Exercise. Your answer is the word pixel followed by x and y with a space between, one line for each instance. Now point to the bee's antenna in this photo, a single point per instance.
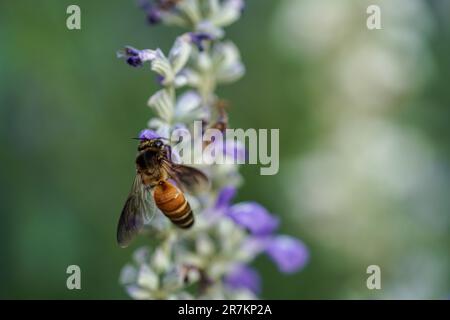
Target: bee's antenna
pixel 160 138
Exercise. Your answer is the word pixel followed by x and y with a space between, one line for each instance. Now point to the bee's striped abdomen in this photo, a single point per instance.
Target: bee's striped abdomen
pixel 173 204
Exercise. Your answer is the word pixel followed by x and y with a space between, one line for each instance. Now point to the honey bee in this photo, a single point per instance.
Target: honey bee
pixel 221 123
pixel 153 190
pixel 222 119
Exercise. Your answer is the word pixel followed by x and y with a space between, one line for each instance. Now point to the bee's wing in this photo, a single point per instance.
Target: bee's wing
pixel 189 178
pixel 138 210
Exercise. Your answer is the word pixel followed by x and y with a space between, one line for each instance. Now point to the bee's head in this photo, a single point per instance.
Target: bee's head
pixel 150 139
pixel 151 143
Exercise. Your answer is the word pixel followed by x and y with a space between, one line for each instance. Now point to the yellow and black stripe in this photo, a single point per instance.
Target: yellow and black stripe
pixel 172 202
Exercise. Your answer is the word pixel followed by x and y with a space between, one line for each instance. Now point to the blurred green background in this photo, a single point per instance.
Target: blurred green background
pixel 364 125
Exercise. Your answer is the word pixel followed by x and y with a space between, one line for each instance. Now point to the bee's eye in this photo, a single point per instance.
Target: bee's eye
pixel 158 143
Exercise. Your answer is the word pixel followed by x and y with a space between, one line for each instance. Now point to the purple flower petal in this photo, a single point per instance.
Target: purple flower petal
pixel 226 194
pixel 253 217
pixel 288 253
pixel 148 134
pixel 243 277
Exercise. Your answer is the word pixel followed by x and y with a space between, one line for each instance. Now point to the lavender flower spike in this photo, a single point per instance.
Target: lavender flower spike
pixel 216 252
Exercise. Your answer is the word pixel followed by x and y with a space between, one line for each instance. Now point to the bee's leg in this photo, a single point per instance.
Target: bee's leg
pixel 168 150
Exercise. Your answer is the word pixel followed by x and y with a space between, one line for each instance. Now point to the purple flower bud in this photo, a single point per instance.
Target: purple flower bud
pixel 134 57
pixel 153 15
pixel 134 61
pixel 130 51
pixel 152 11
pixel 253 217
pixel 148 134
pixel 288 253
pixel 143 4
pixel 198 39
pixel 226 194
pixel 243 277
pixel 159 79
